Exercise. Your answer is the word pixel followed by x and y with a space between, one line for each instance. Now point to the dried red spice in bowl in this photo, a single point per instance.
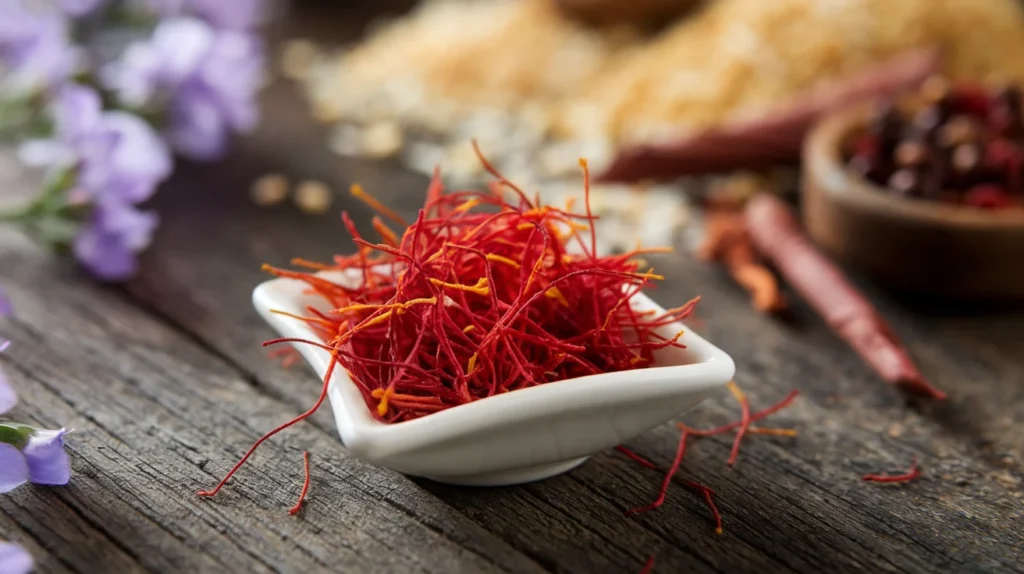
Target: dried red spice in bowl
pixel 931 243
pixel 959 144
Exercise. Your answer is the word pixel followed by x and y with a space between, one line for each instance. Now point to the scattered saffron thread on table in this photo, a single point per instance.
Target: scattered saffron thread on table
pixel 741 398
pixel 648 566
pixel 305 485
pixel 264 438
pixel 686 432
pixel 663 491
pixel 908 476
pixel 636 458
pixel 287 356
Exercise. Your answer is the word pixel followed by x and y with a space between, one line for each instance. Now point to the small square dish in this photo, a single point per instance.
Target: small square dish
pixel 517 437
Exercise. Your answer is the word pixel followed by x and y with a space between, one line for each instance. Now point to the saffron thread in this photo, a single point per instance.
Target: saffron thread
pixel 912 474
pixel 305 485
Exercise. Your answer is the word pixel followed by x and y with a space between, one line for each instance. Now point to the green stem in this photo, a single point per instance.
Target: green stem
pixel 19 214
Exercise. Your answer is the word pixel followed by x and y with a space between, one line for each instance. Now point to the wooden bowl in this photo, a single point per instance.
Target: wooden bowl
pixel 921 247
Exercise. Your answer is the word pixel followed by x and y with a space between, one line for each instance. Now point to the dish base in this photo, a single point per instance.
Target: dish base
pixel 513 476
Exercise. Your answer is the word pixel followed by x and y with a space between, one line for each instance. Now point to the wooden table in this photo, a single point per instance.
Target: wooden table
pixel 166 385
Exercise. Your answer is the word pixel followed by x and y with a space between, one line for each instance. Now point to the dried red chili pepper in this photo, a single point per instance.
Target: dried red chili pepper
pixel 778 237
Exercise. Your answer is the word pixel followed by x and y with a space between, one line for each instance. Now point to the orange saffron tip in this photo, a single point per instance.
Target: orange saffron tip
pixel 301 318
pixel 305 485
pixel 467 205
pixel 772 431
pixel 385 232
pixel 468 328
pixel 501 259
pixel 371 322
pixel 471 364
pixel 737 392
pixel 745 421
pixel 480 288
pixel 300 262
pixel 557 295
pixel 382 406
pixel 357 191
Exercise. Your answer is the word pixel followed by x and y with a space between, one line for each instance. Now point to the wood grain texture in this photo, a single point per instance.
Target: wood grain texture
pixel 166 385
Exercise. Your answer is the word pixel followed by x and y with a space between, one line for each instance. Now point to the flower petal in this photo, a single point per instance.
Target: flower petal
pixel 8 398
pixel 104 253
pixel 13 469
pixel 198 130
pixel 6 309
pixel 48 462
pixel 140 160
pixel 14 559
pixel 183 43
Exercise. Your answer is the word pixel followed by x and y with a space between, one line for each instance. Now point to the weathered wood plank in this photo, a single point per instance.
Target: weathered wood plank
pixel 157 417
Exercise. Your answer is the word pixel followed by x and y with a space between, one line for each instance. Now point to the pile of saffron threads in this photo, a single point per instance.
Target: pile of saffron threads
pixel 479 296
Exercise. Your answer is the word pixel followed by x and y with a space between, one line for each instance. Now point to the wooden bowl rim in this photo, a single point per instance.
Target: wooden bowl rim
pixel 822 152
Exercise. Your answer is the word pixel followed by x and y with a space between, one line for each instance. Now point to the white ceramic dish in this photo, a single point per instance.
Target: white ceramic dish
pixel 518 437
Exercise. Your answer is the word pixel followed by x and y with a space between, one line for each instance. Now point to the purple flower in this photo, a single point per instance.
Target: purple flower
pixel 6 310
pixel 14 559
pixel 34 45
pixel 110 241
pixel 211 78
pixel 80 8
pixel 13 468
pixel 227 14
pixel 232 14
pixel 48 462
pixel 28 454
pixel 8 398
pixel 117 154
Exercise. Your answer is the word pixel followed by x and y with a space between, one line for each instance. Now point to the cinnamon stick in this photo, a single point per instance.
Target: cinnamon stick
pixel 777 235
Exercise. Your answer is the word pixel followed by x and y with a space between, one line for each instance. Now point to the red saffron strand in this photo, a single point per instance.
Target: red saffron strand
pixel 663 491
pixel 648 566
pixel 741 398
pixel 636 458
pixel 262 439
pixel 704 491
pixel 908 476
pixel 709 499
pixel 305 485
pixel 759 415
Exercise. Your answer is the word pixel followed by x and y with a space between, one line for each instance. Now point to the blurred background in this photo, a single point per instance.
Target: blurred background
pixel 637 88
